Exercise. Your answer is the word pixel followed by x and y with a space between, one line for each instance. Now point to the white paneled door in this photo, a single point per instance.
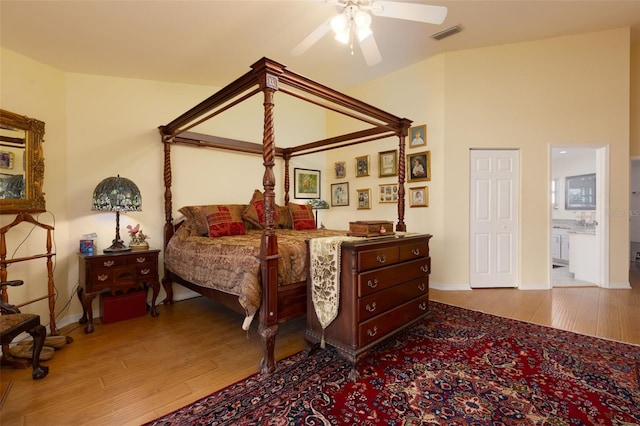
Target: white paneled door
pixel 494 187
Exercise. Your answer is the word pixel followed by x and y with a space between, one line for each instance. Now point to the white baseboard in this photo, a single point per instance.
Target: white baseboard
pixel 449 287
pixel 618 286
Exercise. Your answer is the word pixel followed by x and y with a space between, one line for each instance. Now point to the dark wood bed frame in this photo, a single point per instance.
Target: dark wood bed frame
pixel 279 303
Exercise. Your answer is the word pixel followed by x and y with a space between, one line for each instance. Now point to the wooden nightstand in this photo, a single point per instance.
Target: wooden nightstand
pixel 115 272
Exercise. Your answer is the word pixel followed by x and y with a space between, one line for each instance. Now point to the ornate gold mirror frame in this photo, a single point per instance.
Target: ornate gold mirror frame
pixel 21 164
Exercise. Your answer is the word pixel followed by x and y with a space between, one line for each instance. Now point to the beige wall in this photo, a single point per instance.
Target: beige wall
pixel 570 90
pixel 526 96
pixel 36 90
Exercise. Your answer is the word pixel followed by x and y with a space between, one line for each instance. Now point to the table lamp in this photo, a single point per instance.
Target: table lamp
pixel 318 204
pixel 117 194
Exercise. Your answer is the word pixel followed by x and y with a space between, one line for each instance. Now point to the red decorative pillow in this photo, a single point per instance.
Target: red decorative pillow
pixel 302 216
pixel 222 221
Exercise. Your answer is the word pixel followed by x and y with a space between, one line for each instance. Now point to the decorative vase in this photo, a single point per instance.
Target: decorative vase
pixel 139 246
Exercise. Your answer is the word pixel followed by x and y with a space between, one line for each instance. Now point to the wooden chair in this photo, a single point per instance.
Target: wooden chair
pixel 12 323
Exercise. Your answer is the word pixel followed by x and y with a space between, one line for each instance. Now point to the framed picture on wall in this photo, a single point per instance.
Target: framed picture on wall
pixel 388 193
pixel 362 166
pixel 388 163
pixel 419 166
pixel 339 194
pixel 419 196
pixel 580 192
pixel 341 169
pixel 6 160
pixel 418 136
pixel 364 198
pixel 306 183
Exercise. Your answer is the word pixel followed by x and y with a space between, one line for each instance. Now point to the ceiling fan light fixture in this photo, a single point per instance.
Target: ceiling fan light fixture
pixel 339 23
pixel 362 20
pixel 344 36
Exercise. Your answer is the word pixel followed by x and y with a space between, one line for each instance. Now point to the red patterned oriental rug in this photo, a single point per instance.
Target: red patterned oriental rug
pixel 456 367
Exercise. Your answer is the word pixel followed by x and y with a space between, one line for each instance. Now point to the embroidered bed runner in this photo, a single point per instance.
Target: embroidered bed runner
pixel 324 254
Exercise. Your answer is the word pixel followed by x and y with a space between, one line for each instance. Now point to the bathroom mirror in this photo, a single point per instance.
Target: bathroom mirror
pixel 21 164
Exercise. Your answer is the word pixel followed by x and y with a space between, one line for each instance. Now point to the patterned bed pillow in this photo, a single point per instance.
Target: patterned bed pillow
pixel 195 216
pixel 198 214
pixel 223 220
pixel 283 219
pixel 254 212
pixel 302 216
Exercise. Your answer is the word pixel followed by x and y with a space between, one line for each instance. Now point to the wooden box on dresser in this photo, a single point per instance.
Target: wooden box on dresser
pixel 384 288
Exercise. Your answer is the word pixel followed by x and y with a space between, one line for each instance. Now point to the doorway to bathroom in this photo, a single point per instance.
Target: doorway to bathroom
pixel 578 224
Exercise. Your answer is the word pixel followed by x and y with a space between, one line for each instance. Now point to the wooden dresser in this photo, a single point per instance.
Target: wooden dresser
pixel 384 288
pixel 116 273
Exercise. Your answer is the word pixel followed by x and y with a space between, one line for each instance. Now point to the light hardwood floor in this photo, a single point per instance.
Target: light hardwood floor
pixel 134 371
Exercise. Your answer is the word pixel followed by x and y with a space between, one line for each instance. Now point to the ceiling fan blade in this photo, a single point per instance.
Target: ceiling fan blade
pixel 409 11
pixel 311 39
pixel 370 50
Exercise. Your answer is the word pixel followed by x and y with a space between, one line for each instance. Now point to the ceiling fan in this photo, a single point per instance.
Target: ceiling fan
pixel 353 22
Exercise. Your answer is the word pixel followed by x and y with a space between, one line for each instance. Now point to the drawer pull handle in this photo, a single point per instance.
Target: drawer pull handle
pixel 382 258
pixel 421 286
pixel 145 271
pixel 373 284
pixel 424 268
pixel 372 331
pixel 102 277
pixel 109 263
pixel 141 259
pixel 422 306
pixel 371 307
pixel 416 251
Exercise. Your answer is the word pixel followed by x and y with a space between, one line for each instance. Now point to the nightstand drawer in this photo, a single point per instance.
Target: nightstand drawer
pixel 142 258
pixel 111 262
pixel 146 271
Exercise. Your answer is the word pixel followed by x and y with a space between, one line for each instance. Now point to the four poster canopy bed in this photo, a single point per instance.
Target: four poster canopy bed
pixel 254 258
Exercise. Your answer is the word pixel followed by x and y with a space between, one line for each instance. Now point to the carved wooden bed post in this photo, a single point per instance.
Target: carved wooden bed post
pixel 268 327
pixel 168 203
pixel 404 131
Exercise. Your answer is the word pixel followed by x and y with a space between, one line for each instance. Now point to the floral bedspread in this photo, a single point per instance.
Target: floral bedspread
pixel 231 264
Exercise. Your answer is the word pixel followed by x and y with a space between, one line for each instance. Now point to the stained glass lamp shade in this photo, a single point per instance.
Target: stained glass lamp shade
pixel 117 194
pixel 318 204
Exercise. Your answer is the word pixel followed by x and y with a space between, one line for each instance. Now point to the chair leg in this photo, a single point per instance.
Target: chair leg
pixel 38 333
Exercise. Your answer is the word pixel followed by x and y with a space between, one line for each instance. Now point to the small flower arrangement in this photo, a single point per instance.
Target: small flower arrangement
pixel 136 235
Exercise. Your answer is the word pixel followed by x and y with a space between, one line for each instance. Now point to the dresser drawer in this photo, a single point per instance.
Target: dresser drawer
pixel 377 258
pixel 382 301
pixel 414 250
pixel 383 278
pixel 378 327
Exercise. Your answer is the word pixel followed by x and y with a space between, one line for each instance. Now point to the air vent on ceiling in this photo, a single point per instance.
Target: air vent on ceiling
pixel 447 32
